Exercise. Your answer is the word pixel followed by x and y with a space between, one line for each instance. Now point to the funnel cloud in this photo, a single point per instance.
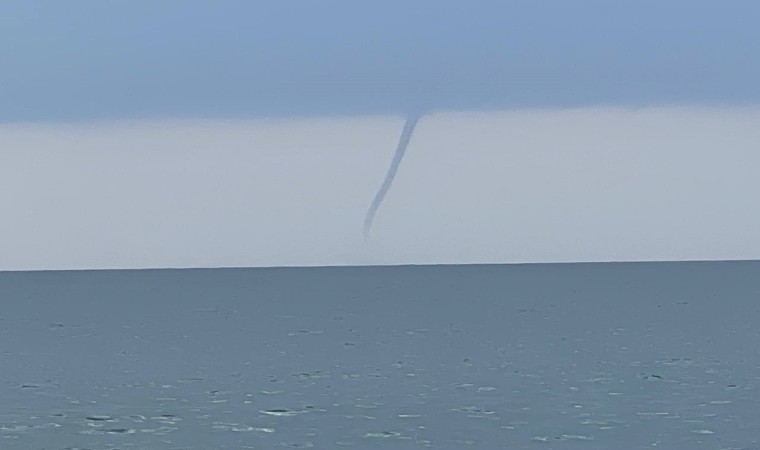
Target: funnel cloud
pixel 403 143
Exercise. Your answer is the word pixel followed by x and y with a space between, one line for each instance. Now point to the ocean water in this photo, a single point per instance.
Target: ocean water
pixel 571 356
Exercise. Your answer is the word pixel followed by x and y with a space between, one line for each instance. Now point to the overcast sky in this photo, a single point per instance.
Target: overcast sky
pixel 91 59
pixel 237 133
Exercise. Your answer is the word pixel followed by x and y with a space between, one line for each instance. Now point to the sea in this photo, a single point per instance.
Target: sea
pixel 539 356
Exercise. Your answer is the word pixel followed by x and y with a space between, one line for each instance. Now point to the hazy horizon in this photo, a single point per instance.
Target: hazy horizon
pixel 593 184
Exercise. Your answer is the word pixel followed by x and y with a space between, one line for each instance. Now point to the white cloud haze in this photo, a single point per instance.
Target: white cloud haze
pixel 593 184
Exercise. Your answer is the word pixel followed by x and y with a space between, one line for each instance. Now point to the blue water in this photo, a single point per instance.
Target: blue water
pixel 586 356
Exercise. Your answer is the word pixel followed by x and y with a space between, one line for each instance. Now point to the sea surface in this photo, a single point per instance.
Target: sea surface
pixel 566 356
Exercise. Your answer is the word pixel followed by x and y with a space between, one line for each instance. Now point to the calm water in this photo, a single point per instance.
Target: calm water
pixel 579 356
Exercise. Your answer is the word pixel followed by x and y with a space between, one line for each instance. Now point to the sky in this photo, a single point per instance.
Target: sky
pixel 237 133
pixel 92 60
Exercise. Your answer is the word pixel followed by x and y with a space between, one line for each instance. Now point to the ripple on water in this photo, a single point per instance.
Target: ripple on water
pixel 19 428
pixel 239 428
pixel 283 412
pixel 562 437
pixel 474 411
pixel 100 418
pixel 109 431
pixel 383 434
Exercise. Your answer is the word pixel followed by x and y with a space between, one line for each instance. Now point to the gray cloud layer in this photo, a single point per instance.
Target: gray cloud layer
pixel 89 59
